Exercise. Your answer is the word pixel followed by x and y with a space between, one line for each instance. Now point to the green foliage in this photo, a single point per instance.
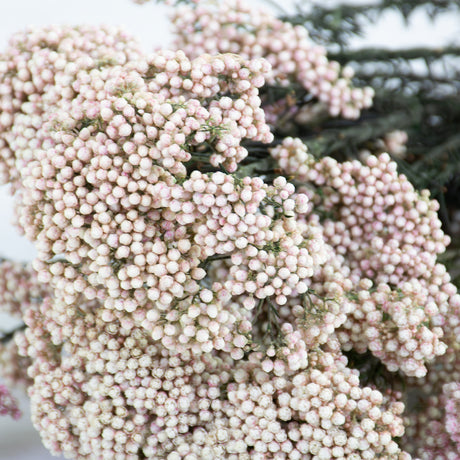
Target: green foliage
pixel 336 25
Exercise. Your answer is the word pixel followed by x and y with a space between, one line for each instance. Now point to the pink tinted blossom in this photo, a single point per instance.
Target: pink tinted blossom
pixel 8 403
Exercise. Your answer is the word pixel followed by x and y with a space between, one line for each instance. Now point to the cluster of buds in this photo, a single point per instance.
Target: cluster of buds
pixel 317 410
pixel 8 403
pixel 37 72
pixel 389 236
pixel 180 309
pixel 432 417
pixel 394 325
pixel 20 291
pixel 232 26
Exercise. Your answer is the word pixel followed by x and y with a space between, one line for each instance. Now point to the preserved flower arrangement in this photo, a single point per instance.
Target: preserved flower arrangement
pixel 206 285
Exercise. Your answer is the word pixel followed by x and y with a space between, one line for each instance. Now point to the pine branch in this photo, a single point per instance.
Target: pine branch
pixel 451 145
pixel 335 26
pixel 348 140
pixel 436 167
pixel 382 54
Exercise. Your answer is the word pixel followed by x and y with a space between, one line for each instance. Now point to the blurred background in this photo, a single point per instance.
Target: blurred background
pixel 18 439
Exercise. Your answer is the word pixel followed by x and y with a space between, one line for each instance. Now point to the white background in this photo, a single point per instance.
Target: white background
pixel 18 440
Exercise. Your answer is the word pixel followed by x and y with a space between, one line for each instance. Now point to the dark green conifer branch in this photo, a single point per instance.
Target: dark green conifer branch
pixel 336 25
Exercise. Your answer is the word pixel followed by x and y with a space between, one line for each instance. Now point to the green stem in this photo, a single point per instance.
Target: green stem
pixel 205 264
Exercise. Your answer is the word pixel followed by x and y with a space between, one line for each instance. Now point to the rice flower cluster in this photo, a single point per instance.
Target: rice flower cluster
pixel 180 308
